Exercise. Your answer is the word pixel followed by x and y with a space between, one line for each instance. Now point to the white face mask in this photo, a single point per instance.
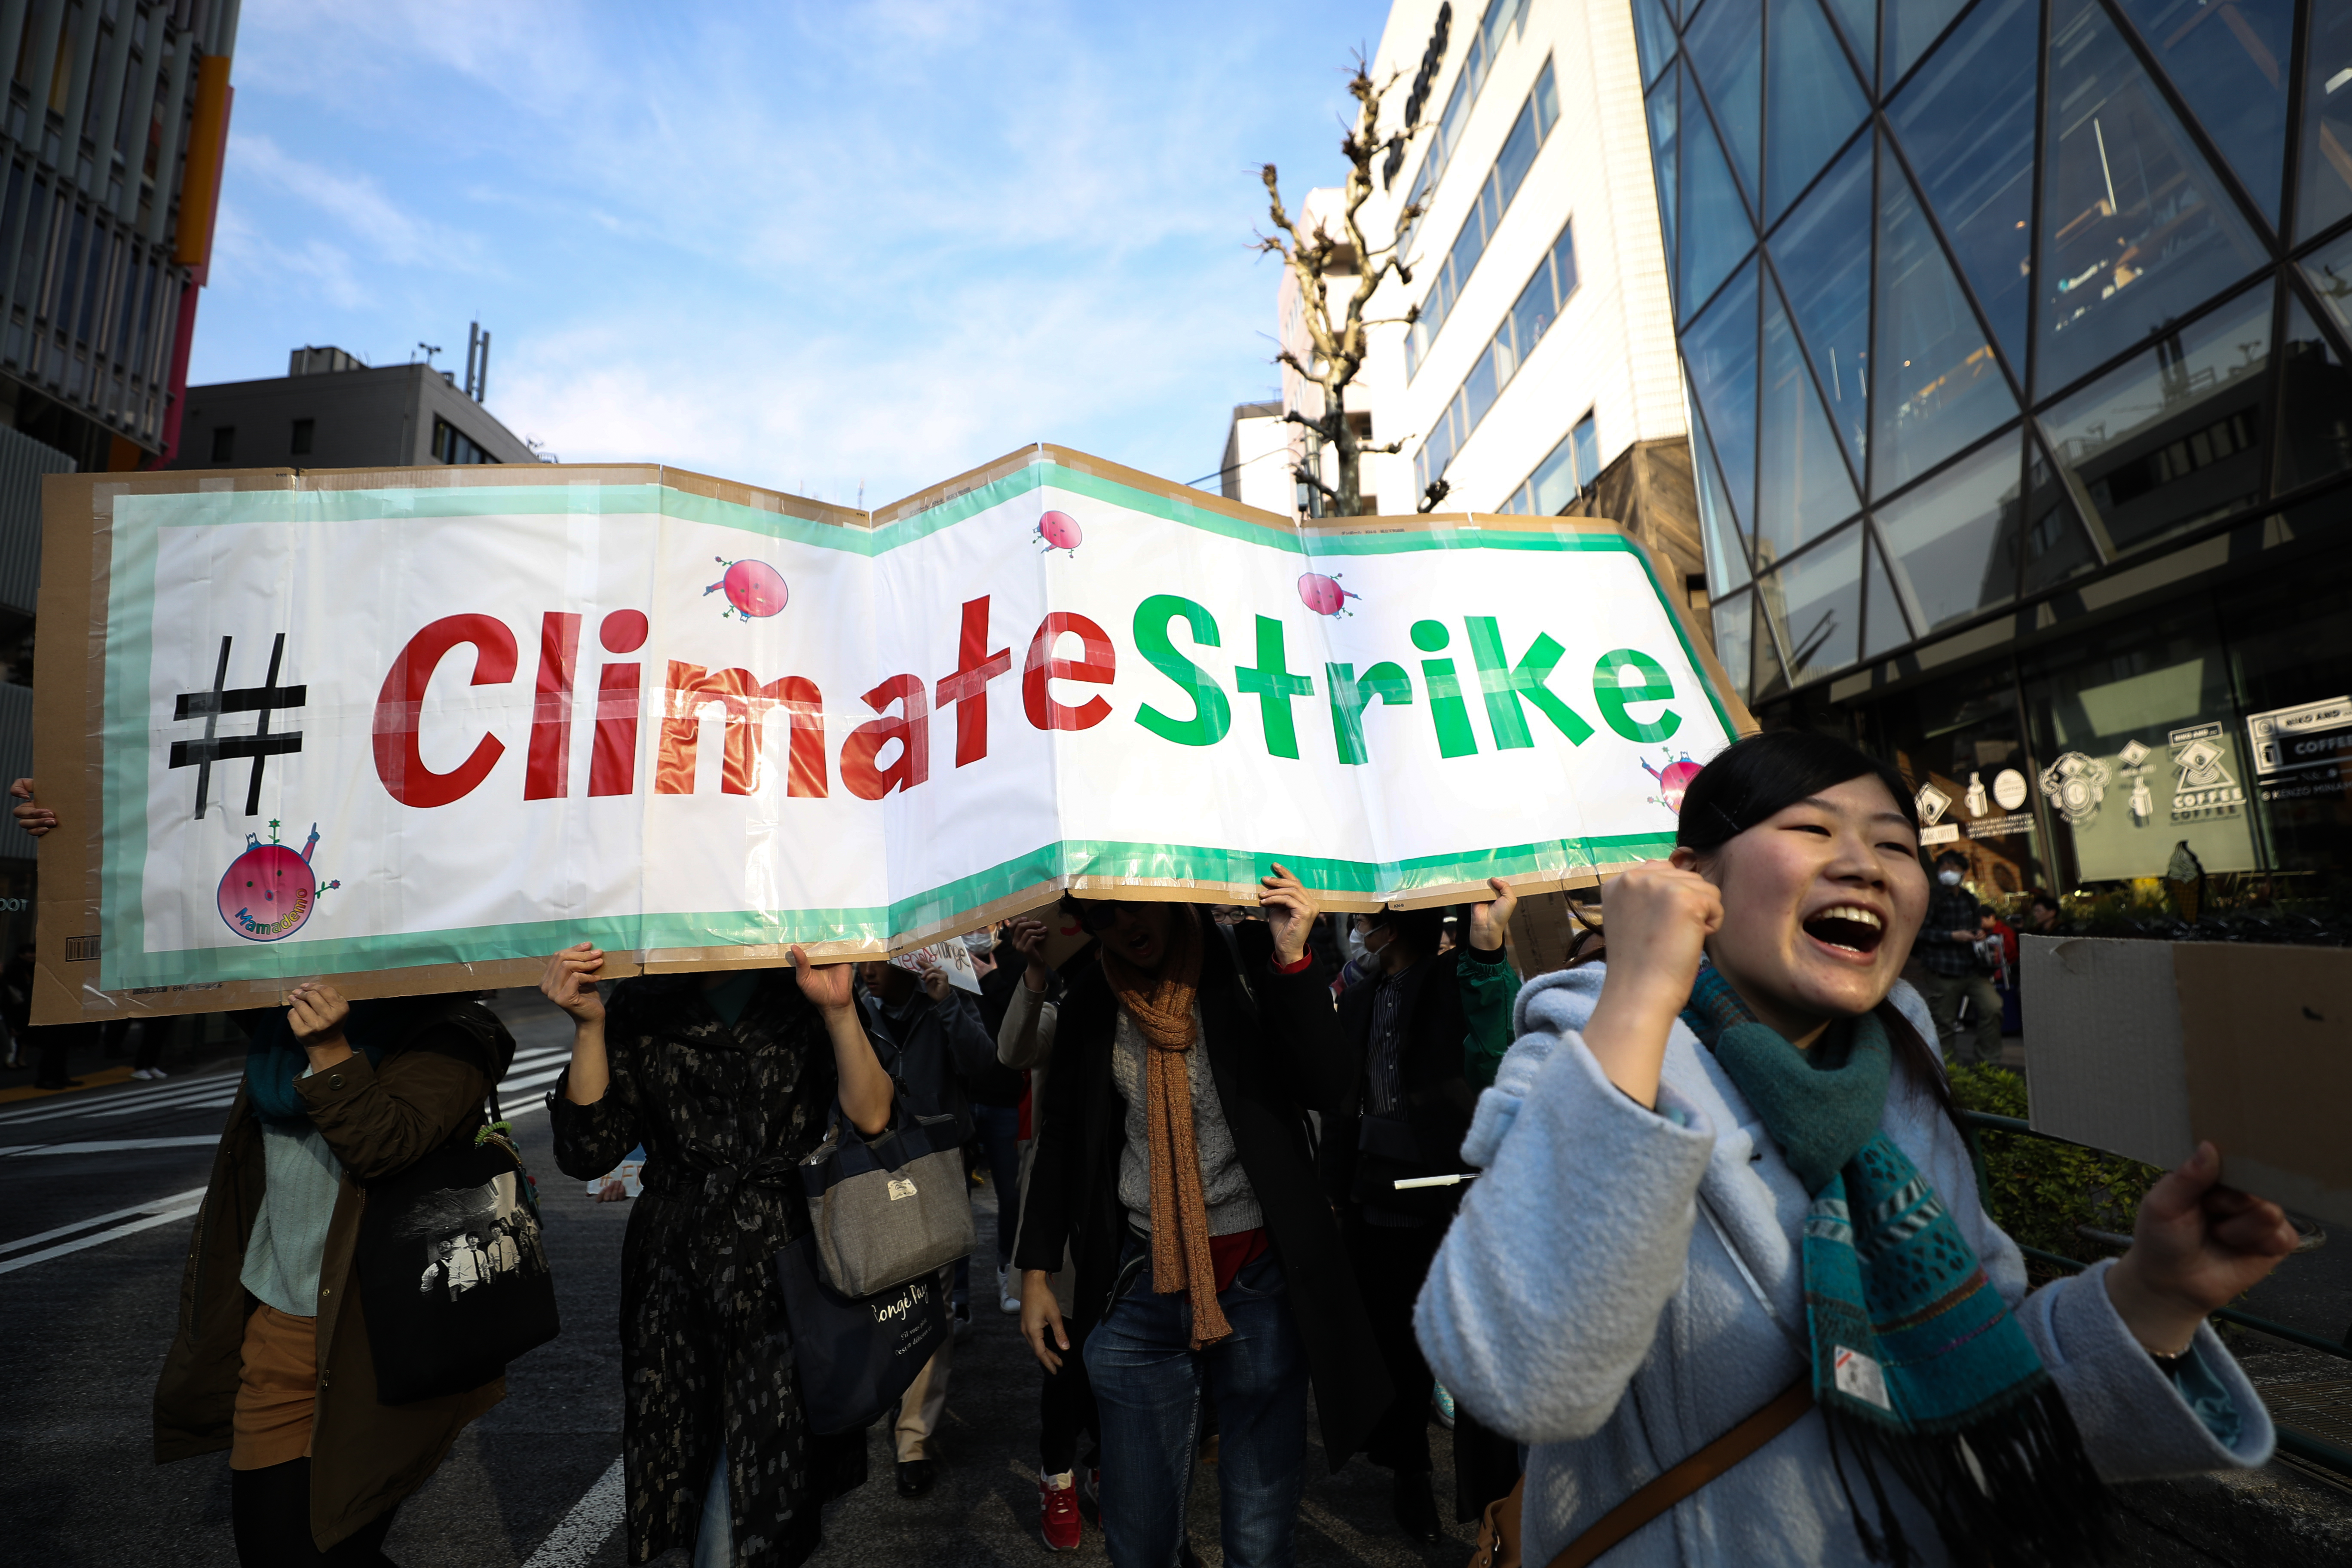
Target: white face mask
pixel 980 944
pixel 1355 942
pixel 1949 878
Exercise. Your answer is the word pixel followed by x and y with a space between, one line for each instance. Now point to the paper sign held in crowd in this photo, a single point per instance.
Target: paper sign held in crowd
pixel 427 726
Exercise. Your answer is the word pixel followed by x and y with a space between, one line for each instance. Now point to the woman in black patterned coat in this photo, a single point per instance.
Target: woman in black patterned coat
pixel 728 1079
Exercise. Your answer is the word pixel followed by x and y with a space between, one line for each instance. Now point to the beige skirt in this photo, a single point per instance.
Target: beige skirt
pixel 277 1387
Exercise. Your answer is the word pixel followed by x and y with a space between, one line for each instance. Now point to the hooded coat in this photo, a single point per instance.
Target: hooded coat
pixel 365 1457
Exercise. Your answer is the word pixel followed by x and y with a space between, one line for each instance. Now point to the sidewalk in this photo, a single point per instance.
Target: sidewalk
pixel 201 1038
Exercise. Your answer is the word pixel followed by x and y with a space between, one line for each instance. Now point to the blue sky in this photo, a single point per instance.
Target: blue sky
pixel 802 246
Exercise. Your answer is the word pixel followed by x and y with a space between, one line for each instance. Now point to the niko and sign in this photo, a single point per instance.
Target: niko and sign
pixel 425 727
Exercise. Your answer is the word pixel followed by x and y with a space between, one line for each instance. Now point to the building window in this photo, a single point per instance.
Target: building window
pixel 1537 307
pixel 451 445
pixel 1566 473
pixel 1537 115
pixel 302 443
pixel 225 444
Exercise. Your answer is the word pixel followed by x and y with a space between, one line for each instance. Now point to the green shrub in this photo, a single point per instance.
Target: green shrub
pixel 2039 1190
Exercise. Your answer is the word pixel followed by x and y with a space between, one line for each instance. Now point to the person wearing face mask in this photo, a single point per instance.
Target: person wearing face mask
pixel 1947 947
pixel 1727 1271
pixel 1172 1162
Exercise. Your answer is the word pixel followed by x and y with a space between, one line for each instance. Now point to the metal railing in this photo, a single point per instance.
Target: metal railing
pixel 2305 1445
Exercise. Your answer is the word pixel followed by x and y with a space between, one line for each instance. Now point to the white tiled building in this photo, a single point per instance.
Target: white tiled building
pixel 1542 376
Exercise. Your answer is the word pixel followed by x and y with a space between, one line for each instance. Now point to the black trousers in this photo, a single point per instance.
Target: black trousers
pixel 154 1039
pixel 271 1511
pixel 51 1042
pixel 1066 1408
pixel 1390 1262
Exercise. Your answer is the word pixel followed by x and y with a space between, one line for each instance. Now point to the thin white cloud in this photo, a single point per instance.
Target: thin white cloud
pixel 884 241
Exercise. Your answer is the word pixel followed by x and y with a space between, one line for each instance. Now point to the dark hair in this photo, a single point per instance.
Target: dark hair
pixel 1955 857
pixel 1983 910
pixel 1753 780
pixel 1417 928
pixel 1763 775
pixel 2046 901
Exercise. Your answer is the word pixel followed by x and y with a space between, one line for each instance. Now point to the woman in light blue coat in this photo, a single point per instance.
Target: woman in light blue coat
pixel 1724 1169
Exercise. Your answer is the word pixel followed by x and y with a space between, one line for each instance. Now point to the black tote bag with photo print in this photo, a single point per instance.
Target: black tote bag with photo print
pixel 452 1268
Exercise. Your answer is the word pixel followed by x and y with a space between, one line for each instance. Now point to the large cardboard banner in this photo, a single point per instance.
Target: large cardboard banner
pixel 420 728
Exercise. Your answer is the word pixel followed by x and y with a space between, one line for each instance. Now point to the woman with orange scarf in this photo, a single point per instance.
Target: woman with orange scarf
pixel 1173 1160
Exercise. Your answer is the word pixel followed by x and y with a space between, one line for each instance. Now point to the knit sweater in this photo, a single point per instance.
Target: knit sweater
pixel 1225 1185
pixel 1623 1285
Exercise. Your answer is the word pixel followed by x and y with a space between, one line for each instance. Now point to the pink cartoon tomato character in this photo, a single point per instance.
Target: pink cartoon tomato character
pixel 1673 780
pixel 1059 531
pixel 754 589
pixel 1324 595
pixel 269 891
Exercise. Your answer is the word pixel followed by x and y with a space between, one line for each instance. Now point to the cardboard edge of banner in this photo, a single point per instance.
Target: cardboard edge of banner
pixel 69 696
pixel 2142 1049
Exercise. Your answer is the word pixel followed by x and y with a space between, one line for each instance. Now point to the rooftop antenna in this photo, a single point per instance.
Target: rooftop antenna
pixel 430 349
pixel 477 362
pixel 861 495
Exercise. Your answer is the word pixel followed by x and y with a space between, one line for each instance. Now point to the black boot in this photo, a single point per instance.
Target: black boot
pixel 1415 1509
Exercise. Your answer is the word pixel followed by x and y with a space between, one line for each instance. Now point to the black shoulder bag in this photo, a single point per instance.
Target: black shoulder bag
pixel 453 1271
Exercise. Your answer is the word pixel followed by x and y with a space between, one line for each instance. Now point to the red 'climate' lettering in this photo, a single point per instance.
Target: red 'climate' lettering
pixel 968 686
pixel 746 704
pixel 612 761
pixel 1098 662
pixel 548 772
pixel 913 733
pixel 397 761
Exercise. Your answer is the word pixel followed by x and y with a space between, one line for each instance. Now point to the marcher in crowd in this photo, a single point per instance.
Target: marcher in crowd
pixel 1414 1033
pixel 729 1080
pixel 930 1036
pixel 1066 1401
pixel 17 1003
pixel 1174 1162
pixel 999 1125
pixel 1955 971
pixel 52 1045
pixel 1724 1184
pixel 271 1358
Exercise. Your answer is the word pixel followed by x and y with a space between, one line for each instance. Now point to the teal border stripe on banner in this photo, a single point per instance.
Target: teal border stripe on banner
pixel 213 508
pixel 1067 859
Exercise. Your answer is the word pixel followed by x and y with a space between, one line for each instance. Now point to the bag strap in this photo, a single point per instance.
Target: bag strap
pixel 1662 1492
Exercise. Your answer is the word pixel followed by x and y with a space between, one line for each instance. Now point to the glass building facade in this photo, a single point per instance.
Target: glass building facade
pixel 2015 335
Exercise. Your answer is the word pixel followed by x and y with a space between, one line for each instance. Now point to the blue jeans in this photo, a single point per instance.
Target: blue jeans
pixel 1148 1385
pixel 1000 1145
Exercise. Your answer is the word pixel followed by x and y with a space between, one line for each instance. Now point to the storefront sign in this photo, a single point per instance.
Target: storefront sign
pixel 2002 826
pixel 2076 784
pixel 436 724
pixel 2202 785
pixel 2291 740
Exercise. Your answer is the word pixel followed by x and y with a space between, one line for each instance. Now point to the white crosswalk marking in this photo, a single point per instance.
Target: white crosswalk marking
pixel 110 1146
pixel 215 1090
pixel 575 1540
pixel 177 1200
pixel 182 1212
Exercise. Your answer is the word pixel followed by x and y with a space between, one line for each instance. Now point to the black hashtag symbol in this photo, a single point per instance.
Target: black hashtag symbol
pixel 260 745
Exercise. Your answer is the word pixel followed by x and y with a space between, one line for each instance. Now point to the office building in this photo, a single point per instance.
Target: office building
pixel 1259 453
pixel 111 137
pixel 330 411
pixel 1540 375
pixel 2017 333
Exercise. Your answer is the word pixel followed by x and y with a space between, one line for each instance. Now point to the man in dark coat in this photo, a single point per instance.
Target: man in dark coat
pixel 1227 1276
pixel 927 1034
pixel 1410 1031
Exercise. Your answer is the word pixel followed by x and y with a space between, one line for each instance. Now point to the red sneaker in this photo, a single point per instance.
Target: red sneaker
pixel 1057 1511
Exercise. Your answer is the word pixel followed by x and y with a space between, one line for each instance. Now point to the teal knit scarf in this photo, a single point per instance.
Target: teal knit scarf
pixel 1917 1363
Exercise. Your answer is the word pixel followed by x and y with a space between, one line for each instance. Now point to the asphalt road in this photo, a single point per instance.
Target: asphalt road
pixel 96 1190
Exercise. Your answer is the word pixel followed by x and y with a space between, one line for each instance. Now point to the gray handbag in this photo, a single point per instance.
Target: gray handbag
pixel 888 1208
